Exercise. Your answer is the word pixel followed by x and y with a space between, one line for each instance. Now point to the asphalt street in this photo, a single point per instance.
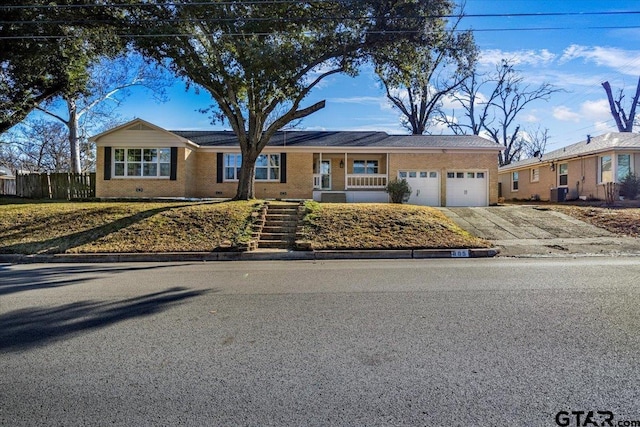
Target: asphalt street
pixel 474 342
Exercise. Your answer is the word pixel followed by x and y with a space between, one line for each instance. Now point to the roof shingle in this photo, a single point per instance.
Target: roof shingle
pixel 342 139
pixel 596 144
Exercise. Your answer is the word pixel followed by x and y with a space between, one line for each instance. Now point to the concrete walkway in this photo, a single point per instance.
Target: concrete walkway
pixel 539 231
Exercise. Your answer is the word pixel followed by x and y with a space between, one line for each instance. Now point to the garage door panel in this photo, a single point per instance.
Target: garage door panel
pixel 466 188
pixel 425 187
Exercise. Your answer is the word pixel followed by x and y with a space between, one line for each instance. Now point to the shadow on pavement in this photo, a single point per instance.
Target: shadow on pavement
pixel 37 326
pixel 62 243
pixel 15 280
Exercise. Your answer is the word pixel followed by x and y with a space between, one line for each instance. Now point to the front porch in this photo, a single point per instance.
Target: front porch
pixel 351 178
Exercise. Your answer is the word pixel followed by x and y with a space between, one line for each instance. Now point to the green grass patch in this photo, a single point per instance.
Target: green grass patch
pixel 383 226
pixel 86 227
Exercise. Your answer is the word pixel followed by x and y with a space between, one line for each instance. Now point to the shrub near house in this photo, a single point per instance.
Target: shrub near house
pixel 630 186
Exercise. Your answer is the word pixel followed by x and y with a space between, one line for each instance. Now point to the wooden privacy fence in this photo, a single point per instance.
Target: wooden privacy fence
pixel 7 186
pixel 56 185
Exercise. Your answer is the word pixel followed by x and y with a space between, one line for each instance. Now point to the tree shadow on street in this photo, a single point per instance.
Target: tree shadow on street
pixel 15 280
pixel 62 243
pixel 38 326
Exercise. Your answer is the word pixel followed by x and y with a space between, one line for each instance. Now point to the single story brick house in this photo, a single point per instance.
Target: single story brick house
pixel 580 170
pixel 140 159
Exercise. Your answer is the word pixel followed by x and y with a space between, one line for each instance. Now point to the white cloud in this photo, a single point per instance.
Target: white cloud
pixel 388 127
pixel 604 127
pixel 590 110
pixel 596 110
pixel 314 128
pixel 381 101
pixel 565 80
pixel 361 100
pixel 491 57
pixel 449 103
pixel 626 62
pixel 438 128
pixel 565 114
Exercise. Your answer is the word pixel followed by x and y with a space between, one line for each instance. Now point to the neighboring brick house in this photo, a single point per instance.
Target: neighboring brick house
pixel 580 170
pixel 139 159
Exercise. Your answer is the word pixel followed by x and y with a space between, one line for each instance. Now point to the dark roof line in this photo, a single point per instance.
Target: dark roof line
pixel 342 139
pixel 591 145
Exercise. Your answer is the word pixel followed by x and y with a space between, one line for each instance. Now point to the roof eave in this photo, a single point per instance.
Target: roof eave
pixel 515 166
pixel 346 148
pixel 95 138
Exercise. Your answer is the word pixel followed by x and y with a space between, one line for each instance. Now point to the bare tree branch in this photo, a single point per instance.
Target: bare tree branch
pixel 623 122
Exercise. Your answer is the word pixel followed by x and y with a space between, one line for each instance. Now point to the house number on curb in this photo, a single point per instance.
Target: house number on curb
pixel 460 253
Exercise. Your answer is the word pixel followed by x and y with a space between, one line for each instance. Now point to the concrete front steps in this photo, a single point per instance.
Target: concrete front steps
pixel 279 229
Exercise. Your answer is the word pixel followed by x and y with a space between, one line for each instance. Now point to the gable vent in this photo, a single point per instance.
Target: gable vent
pixel 140 126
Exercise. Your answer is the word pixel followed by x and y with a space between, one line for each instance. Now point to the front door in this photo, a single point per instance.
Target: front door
pixel 325 174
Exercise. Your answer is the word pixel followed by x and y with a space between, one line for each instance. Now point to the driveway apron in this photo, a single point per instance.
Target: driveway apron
pixel 539 231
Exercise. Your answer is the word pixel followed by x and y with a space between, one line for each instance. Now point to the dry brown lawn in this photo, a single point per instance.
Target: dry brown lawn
pixel 383 226
pixel 68 227
pixel 622 221
pixel 30 227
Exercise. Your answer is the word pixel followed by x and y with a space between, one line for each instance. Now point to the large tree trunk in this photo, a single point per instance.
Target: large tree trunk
pixel 623 122
pixel 74 141
pixel 246 180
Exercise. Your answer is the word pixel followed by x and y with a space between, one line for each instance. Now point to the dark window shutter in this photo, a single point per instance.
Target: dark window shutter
pixel 283 168
pixel 107 163
pixel 219 167
pixel 173 175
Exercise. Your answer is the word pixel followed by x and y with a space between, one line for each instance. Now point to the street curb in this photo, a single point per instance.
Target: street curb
pixel 250 256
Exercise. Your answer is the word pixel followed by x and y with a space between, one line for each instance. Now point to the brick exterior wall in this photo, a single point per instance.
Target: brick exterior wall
pixel 582 178
pixel 146 187
pixel 197 172
pixel 450 161
pixel 197 169
pixel 299 183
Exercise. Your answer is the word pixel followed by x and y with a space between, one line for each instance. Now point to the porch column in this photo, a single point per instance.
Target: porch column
pixel 387 168
pixel 346 168
pixel 320 169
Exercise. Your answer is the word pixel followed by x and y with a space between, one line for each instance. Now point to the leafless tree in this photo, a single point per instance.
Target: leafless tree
pixel 37 145
pixel 495 114
pixel 535 142
pixel 110 82
pixel 623 121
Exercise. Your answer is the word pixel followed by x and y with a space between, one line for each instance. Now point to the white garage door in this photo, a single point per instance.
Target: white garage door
pixel 425 187
pixel 468 188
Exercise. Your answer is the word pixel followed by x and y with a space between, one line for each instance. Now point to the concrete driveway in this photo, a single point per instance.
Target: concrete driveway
pixel 539 231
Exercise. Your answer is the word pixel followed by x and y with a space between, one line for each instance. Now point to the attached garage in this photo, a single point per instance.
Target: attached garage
pixel 352 167
pixel 425 187
pixel 467 188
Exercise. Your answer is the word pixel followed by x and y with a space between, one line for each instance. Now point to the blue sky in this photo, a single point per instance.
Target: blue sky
pixel 577 55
